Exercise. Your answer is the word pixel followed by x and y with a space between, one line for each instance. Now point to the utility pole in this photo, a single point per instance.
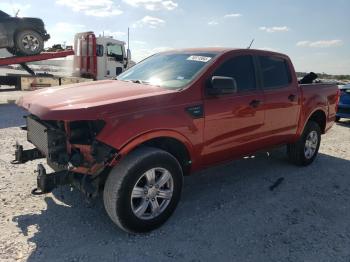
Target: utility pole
pixel 128 38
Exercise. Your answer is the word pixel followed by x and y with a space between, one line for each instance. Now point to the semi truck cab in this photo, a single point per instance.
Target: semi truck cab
pixel 101 57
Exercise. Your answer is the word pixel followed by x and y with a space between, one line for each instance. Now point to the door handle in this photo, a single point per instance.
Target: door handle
pixel 292 97
pixel 255 103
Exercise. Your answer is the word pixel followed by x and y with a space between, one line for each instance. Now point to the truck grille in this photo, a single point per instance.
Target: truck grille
pixel 37 134
pixel 48 139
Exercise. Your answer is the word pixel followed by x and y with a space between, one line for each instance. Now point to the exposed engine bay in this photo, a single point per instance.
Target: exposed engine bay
pixel 71 149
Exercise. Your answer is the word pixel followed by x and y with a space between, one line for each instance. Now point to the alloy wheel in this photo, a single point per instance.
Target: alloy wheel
pixel 152 193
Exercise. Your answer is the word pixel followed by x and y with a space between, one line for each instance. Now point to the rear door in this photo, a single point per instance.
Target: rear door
pixel 233 122
pixel 282 101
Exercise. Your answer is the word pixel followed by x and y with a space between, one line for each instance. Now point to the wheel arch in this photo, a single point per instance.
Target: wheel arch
pixel 25 28
pixel 320 117
pixel 169 141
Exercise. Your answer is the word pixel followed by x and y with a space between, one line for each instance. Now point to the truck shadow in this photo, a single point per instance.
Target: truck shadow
pixel 11 116
pixel 226 212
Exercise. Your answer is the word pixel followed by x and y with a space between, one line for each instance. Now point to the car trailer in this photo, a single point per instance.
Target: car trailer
pixel 34 80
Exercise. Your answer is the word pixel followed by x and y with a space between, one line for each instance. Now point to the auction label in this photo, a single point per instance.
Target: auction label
pixel 198 58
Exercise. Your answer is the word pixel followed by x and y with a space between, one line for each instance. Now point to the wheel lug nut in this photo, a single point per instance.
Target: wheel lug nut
pixel 146 192
pixel 157 186
pixel 147 199
pixel 153 199
pixel 150 185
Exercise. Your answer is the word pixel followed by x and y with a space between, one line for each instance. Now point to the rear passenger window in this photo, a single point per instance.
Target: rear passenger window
pixel 241 68
pixel 275 72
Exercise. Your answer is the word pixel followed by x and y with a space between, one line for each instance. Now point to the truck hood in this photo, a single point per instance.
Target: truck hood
pixel 32 21
pixel 90 100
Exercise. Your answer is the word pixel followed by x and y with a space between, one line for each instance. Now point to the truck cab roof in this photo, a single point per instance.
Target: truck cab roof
pixel 222 50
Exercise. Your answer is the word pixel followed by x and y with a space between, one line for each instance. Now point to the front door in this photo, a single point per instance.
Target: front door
pixel 115 59
pixel 234 122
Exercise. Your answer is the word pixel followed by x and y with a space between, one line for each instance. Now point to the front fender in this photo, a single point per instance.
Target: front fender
pixel 124 133
pixel 142 138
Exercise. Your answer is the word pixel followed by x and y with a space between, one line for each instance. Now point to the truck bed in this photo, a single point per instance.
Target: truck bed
pixel 324 95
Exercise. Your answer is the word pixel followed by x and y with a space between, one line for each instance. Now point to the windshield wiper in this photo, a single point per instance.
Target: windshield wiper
pixel 136 81
pixel 140 82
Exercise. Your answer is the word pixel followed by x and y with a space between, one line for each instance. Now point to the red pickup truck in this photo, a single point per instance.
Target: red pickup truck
pixel 170 115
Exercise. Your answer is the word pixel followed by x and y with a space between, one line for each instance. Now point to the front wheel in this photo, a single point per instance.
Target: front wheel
pixel 143 190
pixel 304 151
pixel 29 42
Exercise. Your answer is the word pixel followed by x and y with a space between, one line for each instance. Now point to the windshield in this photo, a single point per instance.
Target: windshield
pixel 172 71
pixel 3 14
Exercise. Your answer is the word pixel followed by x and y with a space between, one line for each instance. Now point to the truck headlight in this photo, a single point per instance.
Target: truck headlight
pixel 84 132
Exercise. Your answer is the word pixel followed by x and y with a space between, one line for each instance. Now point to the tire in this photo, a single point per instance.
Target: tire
pixel 29 42
pixel 298 152
pixel 131 173
pixel 337 119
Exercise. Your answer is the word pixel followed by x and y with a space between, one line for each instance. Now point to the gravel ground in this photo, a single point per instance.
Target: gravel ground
pixel 10 97
pixel 227 213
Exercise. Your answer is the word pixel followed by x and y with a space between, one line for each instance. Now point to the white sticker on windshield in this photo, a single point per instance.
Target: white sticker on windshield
pixel 198 58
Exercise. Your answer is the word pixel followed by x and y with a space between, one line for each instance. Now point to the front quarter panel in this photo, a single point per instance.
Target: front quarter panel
pixel 125 132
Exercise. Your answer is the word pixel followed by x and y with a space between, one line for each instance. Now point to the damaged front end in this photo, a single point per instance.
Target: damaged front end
pixel 71 150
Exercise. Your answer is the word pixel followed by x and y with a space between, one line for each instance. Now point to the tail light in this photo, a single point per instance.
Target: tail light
pixel 337 101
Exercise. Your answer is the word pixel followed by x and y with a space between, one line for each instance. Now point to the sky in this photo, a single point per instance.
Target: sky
pixel 315 34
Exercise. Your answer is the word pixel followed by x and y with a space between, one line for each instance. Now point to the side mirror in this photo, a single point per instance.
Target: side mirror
pixel 129 55
pixel 127 58
pixel 221 85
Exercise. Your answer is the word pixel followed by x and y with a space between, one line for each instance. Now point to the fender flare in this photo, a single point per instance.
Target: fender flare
pixel 144 137
pixel 302 127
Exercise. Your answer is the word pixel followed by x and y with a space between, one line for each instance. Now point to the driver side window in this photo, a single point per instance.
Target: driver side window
pixel 241 68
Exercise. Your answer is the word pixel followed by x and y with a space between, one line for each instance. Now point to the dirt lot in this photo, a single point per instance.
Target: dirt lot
pixel 10 97
pixel 227 213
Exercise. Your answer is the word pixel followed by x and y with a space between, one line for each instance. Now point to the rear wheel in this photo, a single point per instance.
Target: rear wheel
pixel 29 42
pixel 304 151
pixel 143 190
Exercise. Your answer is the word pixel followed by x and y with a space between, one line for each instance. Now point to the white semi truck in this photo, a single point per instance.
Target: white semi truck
pixel 94 58
pixel 99 57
